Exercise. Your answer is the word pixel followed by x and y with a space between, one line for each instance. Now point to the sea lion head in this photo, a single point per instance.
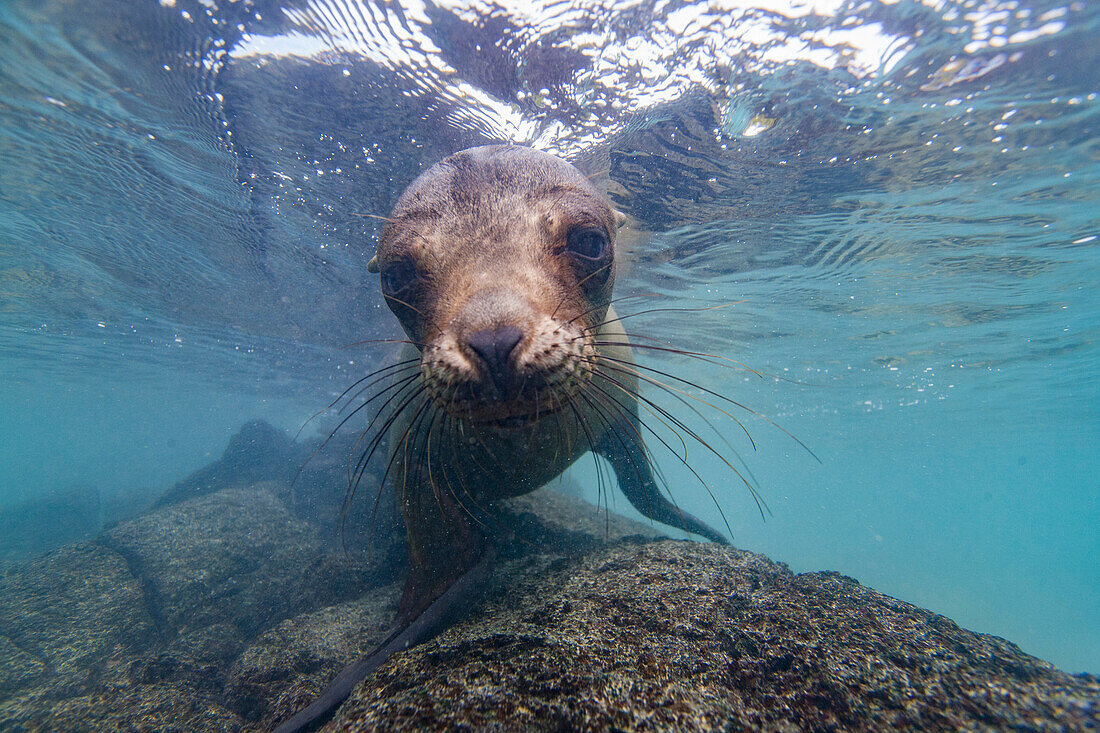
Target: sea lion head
pixel 499 263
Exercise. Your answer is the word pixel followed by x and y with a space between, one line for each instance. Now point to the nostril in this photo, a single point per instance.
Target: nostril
pixel 494 346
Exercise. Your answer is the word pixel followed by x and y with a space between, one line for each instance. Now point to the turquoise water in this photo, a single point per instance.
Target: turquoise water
pixel 896 204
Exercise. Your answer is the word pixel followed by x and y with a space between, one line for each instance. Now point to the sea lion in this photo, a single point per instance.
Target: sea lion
pixel 499 262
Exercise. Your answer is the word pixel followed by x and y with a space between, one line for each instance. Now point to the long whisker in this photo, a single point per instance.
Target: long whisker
pixel 398 376
pixel 356 474
pixel 376 441
pixel 646 404
pixel 624 420
pixel 402 385
pixel 407 305
pixel 383 341
pixel 610 427
pixel 723 397
pixel 682 399
pixel 760 505
pixel 624 367
pixel 373 216
pixel 716 359
pixel 599 469
pixel 399 385
pixel 477 517
pixel 665 310
pixel 602 305
pixel 376 373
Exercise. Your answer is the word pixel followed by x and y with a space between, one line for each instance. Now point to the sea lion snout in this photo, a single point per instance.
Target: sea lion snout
pixel 511 371
pixel 494 347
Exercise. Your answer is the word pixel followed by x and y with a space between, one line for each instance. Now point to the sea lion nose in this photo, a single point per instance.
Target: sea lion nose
pixel 494 346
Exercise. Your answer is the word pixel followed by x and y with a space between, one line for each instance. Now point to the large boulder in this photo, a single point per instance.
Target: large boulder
pixel 141 626
pixel 685 636
pixel 258 452
pixel 228 611
pixel 236 557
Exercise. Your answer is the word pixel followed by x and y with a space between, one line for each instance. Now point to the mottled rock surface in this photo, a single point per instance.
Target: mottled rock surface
pixel 237 556
pixel 684 636
pixel 229 610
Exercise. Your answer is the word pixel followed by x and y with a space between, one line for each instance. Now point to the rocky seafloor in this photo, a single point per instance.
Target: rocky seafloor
pixel 226 606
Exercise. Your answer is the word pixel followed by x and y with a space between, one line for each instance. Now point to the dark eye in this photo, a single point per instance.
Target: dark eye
pixel 588 244
pixel 397 276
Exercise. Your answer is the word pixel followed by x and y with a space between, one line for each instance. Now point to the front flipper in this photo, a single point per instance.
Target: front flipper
pixel 621 444
pixel 436 617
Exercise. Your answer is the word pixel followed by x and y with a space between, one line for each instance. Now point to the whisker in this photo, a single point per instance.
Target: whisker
pixel 354 384
pixel 373 216
pixel 665 310
pixel 397 380
pixel 354 475
pixel 600 488
pixel 624 367
pixel 465 490
pixel 676 394
pixel 407 305
pixel 383 341
pixel 596 408
pixel 683 459
pixel 716 359
pixel 596 308
pixel 403 382
pixel 725 398
pixel 760 504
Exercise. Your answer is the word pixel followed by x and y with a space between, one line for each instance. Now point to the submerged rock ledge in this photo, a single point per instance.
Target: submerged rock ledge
pixel 226 610
pixel 677 635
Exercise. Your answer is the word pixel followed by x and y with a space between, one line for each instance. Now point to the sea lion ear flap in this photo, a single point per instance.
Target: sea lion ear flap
pixel 372 266
pixel 620 218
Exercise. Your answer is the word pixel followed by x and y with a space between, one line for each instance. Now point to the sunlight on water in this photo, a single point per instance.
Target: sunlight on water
pixel 894 203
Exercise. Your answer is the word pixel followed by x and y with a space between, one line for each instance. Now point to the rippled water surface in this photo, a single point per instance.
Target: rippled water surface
pixel 895 204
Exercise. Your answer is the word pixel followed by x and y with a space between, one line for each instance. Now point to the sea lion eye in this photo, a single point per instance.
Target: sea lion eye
pixel 587 244
pixel 397 276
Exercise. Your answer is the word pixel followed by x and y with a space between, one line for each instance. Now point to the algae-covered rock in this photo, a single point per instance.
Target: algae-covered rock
pixel 237 557
pixel 227 611
pixel 285 667
pixel 685 636
pixel 140 628
pixel 65 617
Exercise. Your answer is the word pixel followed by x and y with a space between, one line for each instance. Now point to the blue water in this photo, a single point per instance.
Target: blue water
pixel 896 203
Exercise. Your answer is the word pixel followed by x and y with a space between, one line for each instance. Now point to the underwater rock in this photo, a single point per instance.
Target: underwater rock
pixel 65 619
pixel 258 452
pixel 227 612
pixel 315 474
pixel 288 665
pixel 686 636
pixel 144 623
pixel 236 557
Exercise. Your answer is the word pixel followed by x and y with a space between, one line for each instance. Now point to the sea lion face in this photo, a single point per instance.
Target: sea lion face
pixel 499 263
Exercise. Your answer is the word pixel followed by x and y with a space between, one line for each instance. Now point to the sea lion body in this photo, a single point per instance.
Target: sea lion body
pixel 499 263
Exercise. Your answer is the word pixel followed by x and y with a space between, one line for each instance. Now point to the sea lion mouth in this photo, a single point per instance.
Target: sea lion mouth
pixel 512 422
pixel 505 415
